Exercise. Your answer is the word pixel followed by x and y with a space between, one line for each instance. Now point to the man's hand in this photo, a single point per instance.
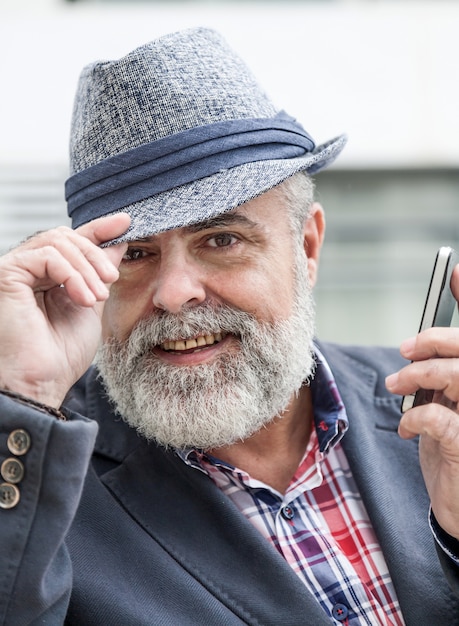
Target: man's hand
pixel 52 290
pixel 435 356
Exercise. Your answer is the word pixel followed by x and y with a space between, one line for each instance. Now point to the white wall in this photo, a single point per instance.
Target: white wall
pixel 384 72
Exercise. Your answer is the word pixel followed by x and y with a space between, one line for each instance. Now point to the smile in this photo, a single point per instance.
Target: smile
pixel 195 343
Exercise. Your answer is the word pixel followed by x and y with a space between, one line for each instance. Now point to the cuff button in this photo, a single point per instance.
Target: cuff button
pixel 12 470
pixel 9 496
pixel 19 442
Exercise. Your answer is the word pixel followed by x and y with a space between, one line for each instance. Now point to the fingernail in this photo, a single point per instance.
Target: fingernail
pixel 407 346
pixel 391 381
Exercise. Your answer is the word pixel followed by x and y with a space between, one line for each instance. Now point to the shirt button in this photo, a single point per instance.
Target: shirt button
pixel 287 512
pixel 12 470
pixel 18 442
pixel 340 612
pixel 9 496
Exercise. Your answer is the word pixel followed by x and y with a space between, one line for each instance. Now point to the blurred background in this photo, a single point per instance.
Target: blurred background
pixel 385 72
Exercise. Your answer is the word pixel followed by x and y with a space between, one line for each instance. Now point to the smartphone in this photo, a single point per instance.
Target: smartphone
pixel 438 311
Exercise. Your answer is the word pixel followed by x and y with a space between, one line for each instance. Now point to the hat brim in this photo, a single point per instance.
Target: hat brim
pixel 205 198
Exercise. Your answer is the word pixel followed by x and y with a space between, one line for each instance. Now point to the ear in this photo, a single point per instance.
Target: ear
pixel 313 236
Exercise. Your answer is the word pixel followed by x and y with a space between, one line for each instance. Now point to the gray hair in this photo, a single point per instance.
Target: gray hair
pixel 298 194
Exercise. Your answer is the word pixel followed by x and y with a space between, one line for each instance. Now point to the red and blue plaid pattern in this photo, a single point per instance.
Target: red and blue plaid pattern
pixel 320 525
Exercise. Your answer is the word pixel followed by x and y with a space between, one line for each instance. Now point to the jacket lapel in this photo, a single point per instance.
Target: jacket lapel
pixel 199 527
pixel 182 509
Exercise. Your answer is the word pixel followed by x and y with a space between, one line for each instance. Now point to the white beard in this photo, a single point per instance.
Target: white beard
pixel 213 404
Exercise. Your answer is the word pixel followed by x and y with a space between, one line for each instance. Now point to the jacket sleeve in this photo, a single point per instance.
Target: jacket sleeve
pixel 43 465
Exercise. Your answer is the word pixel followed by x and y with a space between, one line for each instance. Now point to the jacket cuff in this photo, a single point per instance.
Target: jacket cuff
pixel 449 544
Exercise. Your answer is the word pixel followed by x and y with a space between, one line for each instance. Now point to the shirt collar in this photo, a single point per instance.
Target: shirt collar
pixel 330 418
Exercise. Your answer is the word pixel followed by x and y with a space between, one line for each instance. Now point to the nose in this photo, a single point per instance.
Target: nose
pixel 178 284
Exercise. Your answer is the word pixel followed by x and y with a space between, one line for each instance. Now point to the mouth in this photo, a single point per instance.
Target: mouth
pixel 192 344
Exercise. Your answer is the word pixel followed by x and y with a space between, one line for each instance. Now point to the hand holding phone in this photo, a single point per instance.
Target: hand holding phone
pixel 438 311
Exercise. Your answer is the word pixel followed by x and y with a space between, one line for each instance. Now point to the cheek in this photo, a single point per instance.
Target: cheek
pixel 122 310
pixel 279 289
pixel 266 291
pixel 111 319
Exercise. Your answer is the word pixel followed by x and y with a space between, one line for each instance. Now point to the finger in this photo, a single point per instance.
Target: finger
pixel 455 282
pixel 105 228
pixel 82 284
pixel 88 238
pixel 92 262
pixel 44 268
pixel 81 261
pixel 115 253
pixel 433 342
pixel 440 375
pixel 434 420
pixel 98 231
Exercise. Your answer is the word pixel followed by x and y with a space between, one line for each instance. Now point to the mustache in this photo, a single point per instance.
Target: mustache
pixel 204 319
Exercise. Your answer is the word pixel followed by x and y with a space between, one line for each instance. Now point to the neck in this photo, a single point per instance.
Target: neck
pixel 272 454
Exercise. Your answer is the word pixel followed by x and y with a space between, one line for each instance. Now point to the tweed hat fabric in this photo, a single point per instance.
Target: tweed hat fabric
pixel 179 131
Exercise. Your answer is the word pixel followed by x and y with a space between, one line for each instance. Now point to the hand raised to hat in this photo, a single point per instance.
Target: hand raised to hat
pixel 52 290
pixel 435 356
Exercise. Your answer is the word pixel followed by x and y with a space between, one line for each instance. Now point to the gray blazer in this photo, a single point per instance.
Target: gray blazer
pixel 145 540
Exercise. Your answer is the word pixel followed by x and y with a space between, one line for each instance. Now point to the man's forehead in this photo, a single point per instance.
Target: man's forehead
pixel 236 217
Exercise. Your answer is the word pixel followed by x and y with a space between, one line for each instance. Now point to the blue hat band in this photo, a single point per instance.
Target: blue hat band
pixel 178 159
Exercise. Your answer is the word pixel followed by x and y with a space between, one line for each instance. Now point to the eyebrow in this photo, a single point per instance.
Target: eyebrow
pixel 225 220
pixel 222 221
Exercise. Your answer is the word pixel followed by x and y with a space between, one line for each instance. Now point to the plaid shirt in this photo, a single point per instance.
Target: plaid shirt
pixel 320 525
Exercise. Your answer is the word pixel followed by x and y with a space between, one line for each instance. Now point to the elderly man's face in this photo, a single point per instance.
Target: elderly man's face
pixel 244 259
pixel 213 305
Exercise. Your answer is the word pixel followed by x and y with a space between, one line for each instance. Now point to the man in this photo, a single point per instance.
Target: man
pixel 241 473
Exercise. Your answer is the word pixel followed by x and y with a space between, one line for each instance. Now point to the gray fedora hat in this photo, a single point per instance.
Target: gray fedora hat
pixel 179 131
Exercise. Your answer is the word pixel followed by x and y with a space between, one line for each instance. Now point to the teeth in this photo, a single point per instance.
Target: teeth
pixel 189 344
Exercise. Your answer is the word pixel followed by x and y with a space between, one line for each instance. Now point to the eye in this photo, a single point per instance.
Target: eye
pixel 134 254
pixel 222 240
